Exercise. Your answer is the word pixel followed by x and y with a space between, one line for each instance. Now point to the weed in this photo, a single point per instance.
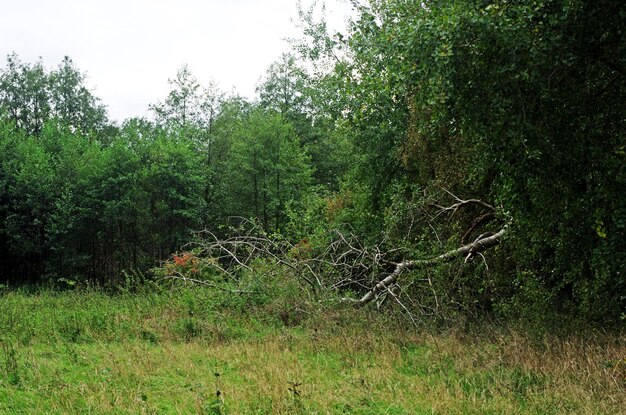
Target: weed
pixel 296 394
pixel 188 328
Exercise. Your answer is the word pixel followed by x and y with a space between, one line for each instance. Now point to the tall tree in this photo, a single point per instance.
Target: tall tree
pixel 289 90
pixel 518 102
pixel 72 102
pixel 189 107
pixel 30 96
pixel 25 94
pixel 190 112
pixel 266 169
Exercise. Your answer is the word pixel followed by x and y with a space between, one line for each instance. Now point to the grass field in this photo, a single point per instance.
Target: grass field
pixel 190 351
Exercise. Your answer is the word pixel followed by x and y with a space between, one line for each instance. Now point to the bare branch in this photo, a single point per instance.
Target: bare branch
pixel 475 247
pixel 203 282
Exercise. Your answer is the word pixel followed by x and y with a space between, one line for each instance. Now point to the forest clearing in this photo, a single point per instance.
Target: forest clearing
pixel 421 212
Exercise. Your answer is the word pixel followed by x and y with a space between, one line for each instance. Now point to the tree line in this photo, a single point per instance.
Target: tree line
pixel 517 104
pixel 86 199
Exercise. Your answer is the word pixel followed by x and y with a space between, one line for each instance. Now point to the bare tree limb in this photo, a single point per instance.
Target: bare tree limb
pixel 475 247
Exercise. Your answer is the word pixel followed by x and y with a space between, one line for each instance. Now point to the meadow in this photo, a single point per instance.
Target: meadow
pixel 191 350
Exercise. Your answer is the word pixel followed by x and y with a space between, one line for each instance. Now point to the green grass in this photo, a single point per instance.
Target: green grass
pixel 196 351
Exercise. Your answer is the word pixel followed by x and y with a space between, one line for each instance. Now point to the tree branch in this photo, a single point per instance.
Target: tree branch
pixel 468 250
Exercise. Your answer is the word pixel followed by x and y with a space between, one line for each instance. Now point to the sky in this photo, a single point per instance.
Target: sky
pixel 129 48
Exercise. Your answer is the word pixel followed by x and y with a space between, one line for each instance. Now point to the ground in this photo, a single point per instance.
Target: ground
pixel 189 350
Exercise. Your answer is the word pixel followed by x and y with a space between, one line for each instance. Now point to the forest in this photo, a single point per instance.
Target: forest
pixel 438 168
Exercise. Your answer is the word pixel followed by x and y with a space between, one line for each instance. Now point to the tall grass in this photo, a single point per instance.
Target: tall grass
pixel 193 350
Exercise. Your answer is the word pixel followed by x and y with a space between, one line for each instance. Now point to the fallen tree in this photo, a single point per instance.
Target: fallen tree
pixel 345 263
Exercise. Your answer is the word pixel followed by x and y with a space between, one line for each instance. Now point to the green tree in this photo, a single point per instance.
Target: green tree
pixel 30 96
pixel 27 183
pixel 516 102
pixel 72 102
pixel 24 94
pixel 189 108
pixel 289 90
pixel 267 168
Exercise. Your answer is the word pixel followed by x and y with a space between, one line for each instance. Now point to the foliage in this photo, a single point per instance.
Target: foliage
pixel 519 103
pixel 30 96
pixel 124 207
pixel 267 168
pixel 76 208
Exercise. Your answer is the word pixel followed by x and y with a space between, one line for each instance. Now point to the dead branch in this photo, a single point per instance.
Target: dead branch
pixel 472 249
pixel 461 203
pixel 180 277
pixel 345 263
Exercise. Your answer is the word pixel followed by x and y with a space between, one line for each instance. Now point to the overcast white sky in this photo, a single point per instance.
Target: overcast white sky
pixel 129 48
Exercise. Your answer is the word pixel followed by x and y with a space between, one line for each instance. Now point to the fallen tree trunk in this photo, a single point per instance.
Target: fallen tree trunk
pixel 344 264
pixel 469 250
